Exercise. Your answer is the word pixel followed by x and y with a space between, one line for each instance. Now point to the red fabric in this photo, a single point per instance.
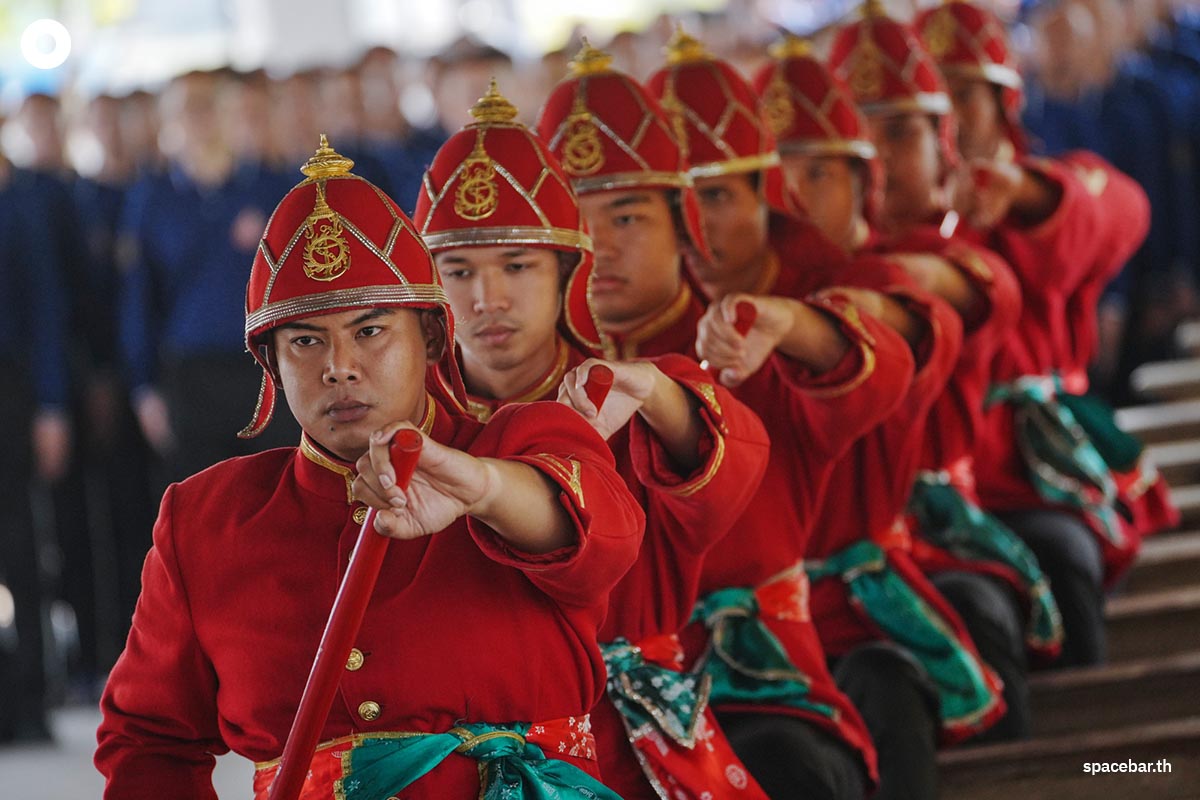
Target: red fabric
pixel 1063 265
pixel 247 558
pixel 811 422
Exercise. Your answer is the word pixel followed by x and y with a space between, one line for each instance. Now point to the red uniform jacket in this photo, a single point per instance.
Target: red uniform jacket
pixel 247 559
pixel 1063 265
pixel 685 516
pixel 811 421
pixel 869 488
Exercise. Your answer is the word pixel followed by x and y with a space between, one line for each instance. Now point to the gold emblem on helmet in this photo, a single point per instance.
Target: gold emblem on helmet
pixel 939 33
pixel 326 254
pixel 777 103
pixel 674 109
pixel 866 74
pixel 583 152
pixel 477 195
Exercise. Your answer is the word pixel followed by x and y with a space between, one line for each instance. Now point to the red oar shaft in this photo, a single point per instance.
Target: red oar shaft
pixel 746 314
pixel 344 621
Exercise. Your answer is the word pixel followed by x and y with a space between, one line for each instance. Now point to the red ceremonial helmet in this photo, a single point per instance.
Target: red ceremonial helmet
pixel 889 72
pixel 718 115
pixel 495 182
pixel 335 243
pixel 609 133
pixel 970 41
pixel 811 112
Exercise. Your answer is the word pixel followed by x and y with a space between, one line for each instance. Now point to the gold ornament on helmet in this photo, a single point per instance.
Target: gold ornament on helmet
pixel 777 103
pixel 326 253
pixel 866 73
pixel 790 46
pixel 674 110
pixel 590 60
pixel 326 163
pixel 685 49
pixel 477 195
pixel 583 152
pixel 938 32
pixel 493 107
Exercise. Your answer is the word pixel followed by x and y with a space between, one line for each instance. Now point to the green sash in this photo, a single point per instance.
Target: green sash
pixel 746 662
pixel 954 523
pixel 647 694
pixel 1065 466
pixel 966 696
pixel 510 767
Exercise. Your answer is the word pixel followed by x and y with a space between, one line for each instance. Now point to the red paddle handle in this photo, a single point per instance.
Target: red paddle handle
pixel 599 382
pixel 746 313
pixel 344 621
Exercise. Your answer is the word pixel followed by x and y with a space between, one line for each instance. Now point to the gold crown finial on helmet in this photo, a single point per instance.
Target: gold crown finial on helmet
pixel 590 60
pixel 683 49
pixel 872 8
pixel 326 162
pixel 790 46
pixel 493 106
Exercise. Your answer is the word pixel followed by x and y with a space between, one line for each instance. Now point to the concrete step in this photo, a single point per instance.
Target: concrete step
pixel 1167 380
pixel 1187 499
pixel 1178 461
pixel 1162 422
pixel 1052 767
pixel 1155 689
pixel 1165 562
pixel 1157 624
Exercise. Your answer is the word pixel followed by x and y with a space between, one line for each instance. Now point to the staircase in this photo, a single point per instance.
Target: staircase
pixel 1144 705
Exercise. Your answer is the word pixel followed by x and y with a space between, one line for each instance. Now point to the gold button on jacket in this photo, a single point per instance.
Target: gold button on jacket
pixel 355 661
pixel 369 710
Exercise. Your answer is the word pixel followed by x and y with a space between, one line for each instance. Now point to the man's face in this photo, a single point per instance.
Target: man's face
pixel 505 302
pixel 977 106
pixel 348 374
pixel 831 189
pixel 735 224
pixel 912 160
pixel 637 253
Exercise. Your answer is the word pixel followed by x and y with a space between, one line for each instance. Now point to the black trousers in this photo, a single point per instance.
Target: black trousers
pixel 993 615
pixel 23 687
pixel 899 704
pixel 1070 557
pixel 793 758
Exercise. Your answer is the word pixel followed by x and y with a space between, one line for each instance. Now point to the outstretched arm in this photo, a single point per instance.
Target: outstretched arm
pixel 517 501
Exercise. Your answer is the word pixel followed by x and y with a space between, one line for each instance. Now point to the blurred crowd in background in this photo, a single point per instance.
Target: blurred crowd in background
pixel 135 218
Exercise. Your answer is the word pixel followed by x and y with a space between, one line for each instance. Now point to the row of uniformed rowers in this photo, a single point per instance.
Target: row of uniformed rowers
pixel 818 600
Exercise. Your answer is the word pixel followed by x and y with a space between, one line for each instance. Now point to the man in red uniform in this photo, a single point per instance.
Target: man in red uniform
pixel 508 239
pixel 738 197
pixel 479 642
pixel 1066 227
pixel 832 378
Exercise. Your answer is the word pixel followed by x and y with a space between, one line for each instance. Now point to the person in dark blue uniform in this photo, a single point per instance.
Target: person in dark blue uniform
pixel 187 236
pixel 34 319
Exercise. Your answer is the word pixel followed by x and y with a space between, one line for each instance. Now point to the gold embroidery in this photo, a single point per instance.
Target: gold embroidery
pixel 777 103
pixel 572 476
pixel 866 74
pixel 691 487
pixel 709 394
pixel 310 451
pixel 939 33
pixel 327 254
pixel 583 152
pixel 576 481
pixel 477 196
pixel 674 108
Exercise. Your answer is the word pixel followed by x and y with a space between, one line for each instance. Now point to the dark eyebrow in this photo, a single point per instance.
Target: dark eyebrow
pixel 629 200
pixel 359 320
pixel 458 260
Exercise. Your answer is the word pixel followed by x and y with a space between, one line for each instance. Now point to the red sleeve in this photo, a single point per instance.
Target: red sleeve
pixel 843 403
pixel 159 733
pixel 1100 221
pixel 734 446
pixel 609 523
